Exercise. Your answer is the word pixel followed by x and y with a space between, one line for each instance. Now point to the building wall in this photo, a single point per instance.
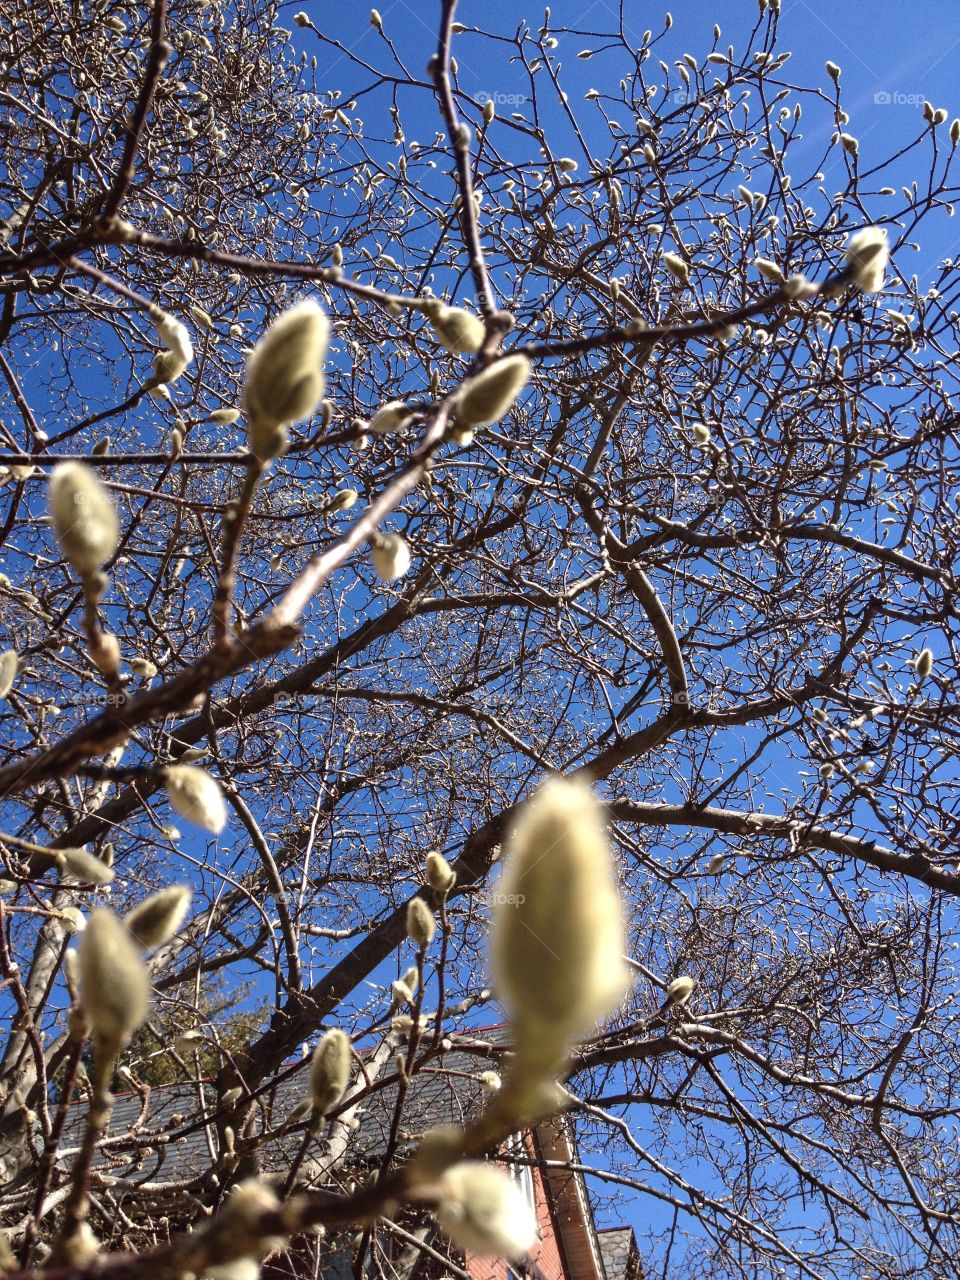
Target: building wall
pixel 546 1254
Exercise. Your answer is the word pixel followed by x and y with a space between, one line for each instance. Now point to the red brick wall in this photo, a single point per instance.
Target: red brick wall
pixel 546 1254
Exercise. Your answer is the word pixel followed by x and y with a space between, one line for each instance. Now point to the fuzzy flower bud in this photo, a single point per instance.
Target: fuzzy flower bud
pixel 343 500
pixel 239 1233
pixel 158 917
pixel 923 663
pixel 488 396
pixel 482 1209
pixel 679 991
pixel 169 364
pixel 769 270
pixel 285 380
pixel 867 255
pixel 440 876
pixel 196 796
pixel 458 330
pixel 8 671
pixel 84 517
pixel 557 940
pixel 391 556
pixel 421 926
pixel 677 266
pixel 491 1081
pixel 223 417
pixel 84 866
pixel 392 416
pixel 330 1071
pixel 114 984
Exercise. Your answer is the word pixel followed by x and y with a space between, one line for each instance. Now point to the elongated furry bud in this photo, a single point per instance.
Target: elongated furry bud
pixel 84 517
pixel 421 926
pixel 440 876
pixel 84 866
pixel 114 984
pixel 483 1210
pixel 330 1071
pixel 158 917
pixel 488 396
pixel 557 940
pixel 285 380
pixel 196 796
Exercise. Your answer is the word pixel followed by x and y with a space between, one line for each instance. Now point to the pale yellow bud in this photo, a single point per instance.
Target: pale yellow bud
pixel 158 917
pixel 483 1210
pixel 285 380
pixel 84 517
pixel 849 144
pixel 344 500
pixel 196 796
pixel 330 1071
pixel 440 876
pixel 421 926
pixel 391 556
pixel 8 671
pixel 488 396
pixel 114 984
pixel 833 71
pixel 458 330
pixel 867 254
pixel 223 417
pixel 491 1081
pixel 84 866
pixel 679 991
pixel 239 1231
pixel 923 663
pixel 769 270
pixel 392 416
pixel 677 266
pixel 375 20
pixel 557 940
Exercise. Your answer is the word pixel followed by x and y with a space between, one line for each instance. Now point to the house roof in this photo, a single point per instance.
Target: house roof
pixel 618 1249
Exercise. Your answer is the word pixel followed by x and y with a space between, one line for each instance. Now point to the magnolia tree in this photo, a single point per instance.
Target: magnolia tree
pixel 390 494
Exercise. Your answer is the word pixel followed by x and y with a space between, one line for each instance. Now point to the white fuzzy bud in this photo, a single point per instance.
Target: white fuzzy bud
pixel 169 365
pixel 330 1071
pixel 715 865
pixel 158 917
pixel 285 379
pixel 679 991
pixel 458 330
pixel 114 984
pixel 196 796
pixel 488 396
pixel 390 555
pixel 482 1209
pixel 677 266
pixel 392 416
pixel 8 671
pixel 84 517
pixel 421 926
pixel 867 254
pixel 223 417
pixel 440 876
pixel 769 270
pixel 84 866
pixel 923 663
pixel 491 1082
pixel 557 941
pixel 343 501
